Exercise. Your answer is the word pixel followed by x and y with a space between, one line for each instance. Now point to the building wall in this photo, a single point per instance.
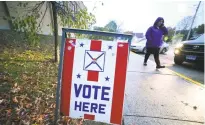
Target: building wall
pixel 46 23
pixel 17 11
pixel 80 5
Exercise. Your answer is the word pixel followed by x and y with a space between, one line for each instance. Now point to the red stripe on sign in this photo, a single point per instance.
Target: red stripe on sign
pixel 119 83
pixel 95 46
pixel 67 76
pixel 93 76
pixel 90 117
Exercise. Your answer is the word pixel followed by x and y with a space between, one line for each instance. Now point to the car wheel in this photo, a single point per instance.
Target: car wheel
pixel 144 50
pixel 178 60
pixel 164 51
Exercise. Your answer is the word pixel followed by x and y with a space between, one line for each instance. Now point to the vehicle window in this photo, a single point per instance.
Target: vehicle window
pixel 195 37
pixel 142 42
pixel 200 38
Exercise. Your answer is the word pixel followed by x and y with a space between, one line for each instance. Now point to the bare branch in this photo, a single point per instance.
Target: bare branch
pixel 37 7
pixel 61 9
pixel 43 16
pixel 184 23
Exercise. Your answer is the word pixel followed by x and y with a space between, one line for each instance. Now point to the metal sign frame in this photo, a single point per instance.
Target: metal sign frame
pixel 64 36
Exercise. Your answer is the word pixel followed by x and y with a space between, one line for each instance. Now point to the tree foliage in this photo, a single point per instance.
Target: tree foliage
pixel 81 20
pixel 178 37
pixel 170 35
pixel 28 25
pixel 195 31
pixel 199 29
pixel 184 25
pixel 112 26
pixel 98 37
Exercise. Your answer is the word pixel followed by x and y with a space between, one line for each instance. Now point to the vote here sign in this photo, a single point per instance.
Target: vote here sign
pixel 93 79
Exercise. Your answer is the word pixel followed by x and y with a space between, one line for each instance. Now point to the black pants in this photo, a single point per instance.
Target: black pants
pixel 154 51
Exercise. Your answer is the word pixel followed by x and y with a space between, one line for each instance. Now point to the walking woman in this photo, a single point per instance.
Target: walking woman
pixel 154 36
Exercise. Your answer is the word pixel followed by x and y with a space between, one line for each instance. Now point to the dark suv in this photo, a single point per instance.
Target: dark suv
pixel 190 51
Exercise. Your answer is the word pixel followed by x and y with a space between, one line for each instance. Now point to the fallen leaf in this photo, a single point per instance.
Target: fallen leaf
pixel 40 118
pixel 17 110
pixel 52 96
pixel 66 119
pixel 81 121
pixel 25 77
pixel 1 101
pixel 28 105
pixel 52 106
pixel 25 122
pixel 15 85
pixel 15 90
pixel 15 100
pixel 54 85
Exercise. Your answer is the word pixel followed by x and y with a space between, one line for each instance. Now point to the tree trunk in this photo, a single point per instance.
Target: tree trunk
pixel 55 30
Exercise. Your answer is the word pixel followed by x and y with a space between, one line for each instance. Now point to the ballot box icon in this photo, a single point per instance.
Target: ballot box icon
pixel 94 61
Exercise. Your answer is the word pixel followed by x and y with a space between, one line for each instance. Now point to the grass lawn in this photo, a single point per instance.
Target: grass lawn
pixel 28 81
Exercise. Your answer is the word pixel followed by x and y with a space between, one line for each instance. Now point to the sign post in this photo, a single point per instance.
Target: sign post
pixel 92 76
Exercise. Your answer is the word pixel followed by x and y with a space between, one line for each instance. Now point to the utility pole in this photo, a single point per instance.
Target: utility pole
pixel 193 21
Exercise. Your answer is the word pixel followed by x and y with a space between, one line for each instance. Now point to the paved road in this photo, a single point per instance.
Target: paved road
pixel 159 97
pixel 189 70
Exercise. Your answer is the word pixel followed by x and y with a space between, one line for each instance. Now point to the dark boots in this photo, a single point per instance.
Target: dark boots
pixel 160 67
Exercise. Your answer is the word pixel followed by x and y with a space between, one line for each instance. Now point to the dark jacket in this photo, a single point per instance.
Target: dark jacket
pixel 154 35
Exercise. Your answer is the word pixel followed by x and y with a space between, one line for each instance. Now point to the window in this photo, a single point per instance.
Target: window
pixel 200 38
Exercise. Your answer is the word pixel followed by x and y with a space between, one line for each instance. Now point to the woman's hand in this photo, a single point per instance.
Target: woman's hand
pixel 162 25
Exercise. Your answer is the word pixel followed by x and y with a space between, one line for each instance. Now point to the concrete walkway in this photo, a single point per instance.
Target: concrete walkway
pixel 158 97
